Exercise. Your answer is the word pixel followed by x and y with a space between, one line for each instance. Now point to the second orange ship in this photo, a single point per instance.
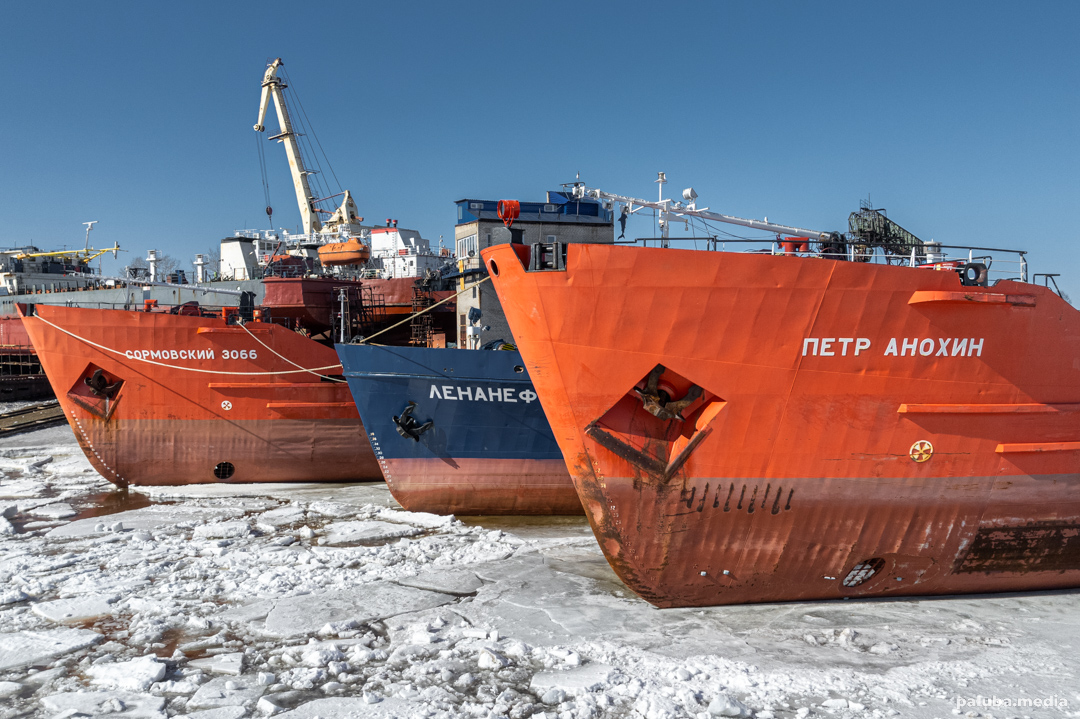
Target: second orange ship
pixel 182 398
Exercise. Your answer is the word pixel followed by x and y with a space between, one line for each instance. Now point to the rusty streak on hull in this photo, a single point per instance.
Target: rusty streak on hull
pixel 796 475
pixel 176 451
pixel 482 486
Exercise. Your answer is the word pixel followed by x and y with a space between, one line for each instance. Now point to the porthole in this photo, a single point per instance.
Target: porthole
pixel 518 368
pixel 224 470
pixel 494 268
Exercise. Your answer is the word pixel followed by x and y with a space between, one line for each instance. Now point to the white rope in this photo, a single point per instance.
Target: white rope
pixel 312 370
pixel 413 316
pixel 272 350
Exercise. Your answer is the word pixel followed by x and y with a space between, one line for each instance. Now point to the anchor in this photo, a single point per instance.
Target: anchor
pixel 408 426
pixel 658 403
pixel 100 386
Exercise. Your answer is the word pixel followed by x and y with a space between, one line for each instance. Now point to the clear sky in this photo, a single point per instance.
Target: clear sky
pixel 961 119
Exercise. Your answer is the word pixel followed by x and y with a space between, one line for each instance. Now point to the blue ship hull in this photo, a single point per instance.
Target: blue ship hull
pixel 458 431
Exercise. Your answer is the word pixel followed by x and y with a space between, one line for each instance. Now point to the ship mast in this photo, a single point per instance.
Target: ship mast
pixel 272 85
pixel 670 209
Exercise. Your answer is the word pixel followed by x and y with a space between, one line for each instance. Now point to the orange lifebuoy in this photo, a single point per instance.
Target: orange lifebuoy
pixel 508 211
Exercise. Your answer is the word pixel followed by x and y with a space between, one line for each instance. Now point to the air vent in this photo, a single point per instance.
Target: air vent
pixel 224 470
pixel 862 571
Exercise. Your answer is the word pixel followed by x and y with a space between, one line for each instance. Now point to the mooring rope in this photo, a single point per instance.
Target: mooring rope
pixel 308 370
pixel 425 310
pixel 275 352
pixel 312 370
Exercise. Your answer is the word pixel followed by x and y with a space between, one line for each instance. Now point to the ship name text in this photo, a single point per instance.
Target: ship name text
pixel 479 394
pixel 206 354
pixel 897 347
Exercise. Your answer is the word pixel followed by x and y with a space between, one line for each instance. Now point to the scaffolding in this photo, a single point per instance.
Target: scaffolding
pixel 358 312
pixel 421 326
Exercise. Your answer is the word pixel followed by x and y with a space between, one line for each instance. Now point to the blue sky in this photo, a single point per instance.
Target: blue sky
pixel 960 118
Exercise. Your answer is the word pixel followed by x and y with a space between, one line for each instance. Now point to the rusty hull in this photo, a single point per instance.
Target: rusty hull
pixel 798 474
pixel 201 408
pixel 467 486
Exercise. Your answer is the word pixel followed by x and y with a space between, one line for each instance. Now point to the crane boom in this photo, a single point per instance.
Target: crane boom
pixel 678 209
pixel 273 86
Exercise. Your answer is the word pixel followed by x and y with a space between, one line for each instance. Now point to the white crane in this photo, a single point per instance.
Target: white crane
pixel 672 210
pixel 273 85
pixel 347 217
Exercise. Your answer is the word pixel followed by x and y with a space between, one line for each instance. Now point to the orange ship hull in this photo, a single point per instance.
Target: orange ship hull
pixel 165 399
pixel 856 429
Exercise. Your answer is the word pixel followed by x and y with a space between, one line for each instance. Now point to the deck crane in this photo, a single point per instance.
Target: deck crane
pixel 832 243
pixel 347 214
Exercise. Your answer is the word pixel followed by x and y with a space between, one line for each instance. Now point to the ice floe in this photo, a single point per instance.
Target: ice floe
pixel 230 601
pixel 27 647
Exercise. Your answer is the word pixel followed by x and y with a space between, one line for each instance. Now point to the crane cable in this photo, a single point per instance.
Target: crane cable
pixel 265 182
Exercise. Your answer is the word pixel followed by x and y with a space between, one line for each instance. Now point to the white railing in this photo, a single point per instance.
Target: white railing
pixel 1000 263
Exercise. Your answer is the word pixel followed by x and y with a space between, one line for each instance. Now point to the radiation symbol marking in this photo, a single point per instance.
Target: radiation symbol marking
pixel 921 451
pixel 227 405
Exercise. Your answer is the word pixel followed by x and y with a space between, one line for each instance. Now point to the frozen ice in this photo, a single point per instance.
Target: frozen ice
pixel 222 530
pixel 489 618
pixel 726 706
pixel 419 519
pixel 232 663
pixel 489 658
pixel 56 510
pixel 147 519
pixel 268 707
pixel 457 582
pixel 233 712
pixel 290 514
pixel 134 675
pixel 331 509
pixel 9 688
pixel 306 614
pixel 40 679
pixel 76 609
pixel 365 531
pixel 38 646
pixel 223 692
pixel 352 707
pixel 583 678
pixel 127 704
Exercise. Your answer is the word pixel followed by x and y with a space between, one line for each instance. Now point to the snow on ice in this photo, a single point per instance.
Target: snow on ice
pixel 303 601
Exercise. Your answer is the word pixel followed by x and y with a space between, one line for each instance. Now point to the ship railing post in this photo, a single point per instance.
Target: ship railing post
pixel 1023 268
pixel 912 263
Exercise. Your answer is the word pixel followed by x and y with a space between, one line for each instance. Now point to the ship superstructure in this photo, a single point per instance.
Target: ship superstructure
pixel 332 234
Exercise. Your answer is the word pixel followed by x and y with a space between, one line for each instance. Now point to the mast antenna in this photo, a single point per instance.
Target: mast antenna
pixel 89 226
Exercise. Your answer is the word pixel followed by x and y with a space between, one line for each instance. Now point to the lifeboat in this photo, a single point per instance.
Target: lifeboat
pixel 351 252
